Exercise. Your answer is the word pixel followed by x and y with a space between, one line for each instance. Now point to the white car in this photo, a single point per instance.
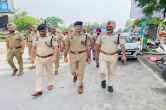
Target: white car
pixel 132 48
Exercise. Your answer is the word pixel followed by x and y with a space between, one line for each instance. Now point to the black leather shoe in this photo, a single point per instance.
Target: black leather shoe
pixel 38 93
pixel 94 59
pixel 103 84
pixel 75 78
pixel 14 72
pixel 97 66
pixel 110 89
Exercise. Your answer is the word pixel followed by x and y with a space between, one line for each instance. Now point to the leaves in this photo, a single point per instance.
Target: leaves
pixel 23 22
pixel 150 6
pixel 53 21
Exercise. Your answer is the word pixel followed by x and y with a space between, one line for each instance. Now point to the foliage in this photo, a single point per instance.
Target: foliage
pixel 150 6
pixel 53 21
pixel 23 22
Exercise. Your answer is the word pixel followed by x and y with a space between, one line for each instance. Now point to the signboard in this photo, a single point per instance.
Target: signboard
pixel 6 6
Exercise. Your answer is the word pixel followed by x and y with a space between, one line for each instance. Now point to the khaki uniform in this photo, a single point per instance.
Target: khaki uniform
pixel 44 63
pixel 30 37
pixel 77 44
pixel 15 49
pixel 107 62
pixel 59 39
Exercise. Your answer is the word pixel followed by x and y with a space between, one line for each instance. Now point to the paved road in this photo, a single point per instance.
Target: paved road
pixel 136 88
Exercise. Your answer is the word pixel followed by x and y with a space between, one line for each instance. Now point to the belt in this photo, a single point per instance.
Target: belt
pixel 45 56
pixel 77 52
pixel 29 41
pixel 15 48
pixel 106 53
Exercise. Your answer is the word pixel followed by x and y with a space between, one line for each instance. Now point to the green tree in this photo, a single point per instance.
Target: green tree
pixel 23 22
pixel 150 6
pixel 53 21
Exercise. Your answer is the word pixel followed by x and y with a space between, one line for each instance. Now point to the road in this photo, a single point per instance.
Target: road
pixel 136 88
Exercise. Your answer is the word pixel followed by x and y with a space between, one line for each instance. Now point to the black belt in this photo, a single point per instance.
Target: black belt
pixel 106 53
pixel 15 48
pixel 45 56
pixel 77 52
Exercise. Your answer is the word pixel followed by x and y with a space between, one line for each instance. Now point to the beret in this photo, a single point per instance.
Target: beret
pixel 42 27
pixel 78 23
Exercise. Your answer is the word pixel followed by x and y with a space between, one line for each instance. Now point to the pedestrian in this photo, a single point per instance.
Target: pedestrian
pixel 76 46
pixel 15 48
pixel 107 47
pixel 45 50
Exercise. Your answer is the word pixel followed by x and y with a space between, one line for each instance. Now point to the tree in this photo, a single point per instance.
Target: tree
pixel 23 22
pixel 53 21
pixel 150 6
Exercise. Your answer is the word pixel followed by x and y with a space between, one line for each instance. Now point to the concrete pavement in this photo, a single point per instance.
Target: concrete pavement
pixel 136 88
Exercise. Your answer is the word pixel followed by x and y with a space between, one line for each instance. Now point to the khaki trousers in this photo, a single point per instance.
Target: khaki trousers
pixel 44 69
pixel 108 67
pixel 17 53
pixel 56 64
pixel 77 65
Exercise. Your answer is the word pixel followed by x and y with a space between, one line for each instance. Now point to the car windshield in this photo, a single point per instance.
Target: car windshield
pixel 130 40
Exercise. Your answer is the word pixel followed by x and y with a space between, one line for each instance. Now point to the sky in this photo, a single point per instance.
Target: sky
pixel 73 10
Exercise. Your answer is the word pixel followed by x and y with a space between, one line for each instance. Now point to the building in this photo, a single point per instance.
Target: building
pixel 6 6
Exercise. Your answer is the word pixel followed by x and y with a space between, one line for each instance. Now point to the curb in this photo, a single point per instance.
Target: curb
pixel 156 71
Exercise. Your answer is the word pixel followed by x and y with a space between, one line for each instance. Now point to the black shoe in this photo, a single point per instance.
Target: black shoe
pixel 97 66
pixel 103 84
pixel 94 59
pixel 110 89
pixel 56 73
pixel 75 78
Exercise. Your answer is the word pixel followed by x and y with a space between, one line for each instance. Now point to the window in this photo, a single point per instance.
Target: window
pixel 3 0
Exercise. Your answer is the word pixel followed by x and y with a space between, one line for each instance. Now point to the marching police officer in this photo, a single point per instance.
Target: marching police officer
pixel 59 38
pixel 106 47
pixel 98 32
pixel 76 46
pixel 15 48
pixel 29 36
pixel 45 50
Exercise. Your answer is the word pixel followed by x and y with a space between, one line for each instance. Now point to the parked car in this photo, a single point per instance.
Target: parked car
pixel 131 46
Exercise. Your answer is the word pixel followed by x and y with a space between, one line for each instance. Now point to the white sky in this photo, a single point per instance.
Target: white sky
pixel 85 10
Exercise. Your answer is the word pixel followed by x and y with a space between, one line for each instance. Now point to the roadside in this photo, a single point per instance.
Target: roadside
pixel 152 66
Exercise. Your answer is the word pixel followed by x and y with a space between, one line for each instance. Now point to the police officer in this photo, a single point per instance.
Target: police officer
pixel 59 38
pixel 29 38
pixel 45 50
pixel 106 46
pixel 76 45
pixel 15 48
pixel 98 32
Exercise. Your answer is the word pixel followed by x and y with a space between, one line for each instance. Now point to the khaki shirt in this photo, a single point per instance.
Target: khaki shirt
pixel 42 48
pixel 29 37
pixel 76 42
pixel 108 44
pixel 14 40
pixel 58 37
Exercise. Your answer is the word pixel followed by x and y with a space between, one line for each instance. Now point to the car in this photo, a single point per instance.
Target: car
pixel 131 47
